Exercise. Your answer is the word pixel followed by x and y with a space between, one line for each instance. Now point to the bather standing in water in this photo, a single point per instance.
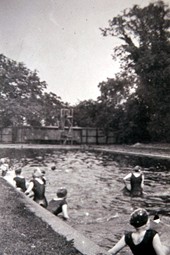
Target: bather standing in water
pixel 37 185
pixel 20 180
pixel 136 179
pixel 4 166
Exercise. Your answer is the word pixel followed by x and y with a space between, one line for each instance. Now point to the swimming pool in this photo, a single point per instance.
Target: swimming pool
pixel 96 205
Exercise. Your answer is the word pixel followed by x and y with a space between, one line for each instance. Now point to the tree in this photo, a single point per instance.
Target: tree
pixel 132 126
pixel 146 52
pixel 85 113
pixel 51 106
pixel 114 92
pixel 121 110
pixel 23 98
pixel 20 93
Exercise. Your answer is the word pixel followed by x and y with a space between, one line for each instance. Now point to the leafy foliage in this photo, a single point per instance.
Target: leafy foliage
pixel 121 110
pixel 145 52
pixel 85 113
pixel 23 97
pixel 50 111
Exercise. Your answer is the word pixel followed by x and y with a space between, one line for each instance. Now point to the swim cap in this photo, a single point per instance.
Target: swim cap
pixel 137 168
pixel 139 218
pixel 62 192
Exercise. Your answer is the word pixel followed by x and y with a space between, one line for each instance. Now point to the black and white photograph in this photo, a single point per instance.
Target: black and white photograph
pixel 85 127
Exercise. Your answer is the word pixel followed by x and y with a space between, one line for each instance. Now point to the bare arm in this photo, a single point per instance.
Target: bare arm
pixel 119 246
pixel 64 210
pixel 157 245
pixel 30 187
pixel 142 183
pixel 127 176
pixel 126 180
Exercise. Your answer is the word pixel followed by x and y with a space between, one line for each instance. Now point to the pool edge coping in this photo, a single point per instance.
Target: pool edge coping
pixel 80 242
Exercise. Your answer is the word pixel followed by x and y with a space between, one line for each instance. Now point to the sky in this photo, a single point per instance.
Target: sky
pixel 61 39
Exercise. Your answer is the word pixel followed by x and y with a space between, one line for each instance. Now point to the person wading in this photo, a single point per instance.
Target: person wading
pixel 136 179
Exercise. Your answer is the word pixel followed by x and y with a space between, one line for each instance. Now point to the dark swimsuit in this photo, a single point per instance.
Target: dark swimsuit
pixel 136 189
pixel 145 246
pixel 39 193
pixel 55 206
pixel 20 183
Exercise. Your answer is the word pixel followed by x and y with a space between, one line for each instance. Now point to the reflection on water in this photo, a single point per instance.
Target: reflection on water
pixel 97 207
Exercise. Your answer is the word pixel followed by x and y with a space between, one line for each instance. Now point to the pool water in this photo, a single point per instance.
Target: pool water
pixel 96 204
